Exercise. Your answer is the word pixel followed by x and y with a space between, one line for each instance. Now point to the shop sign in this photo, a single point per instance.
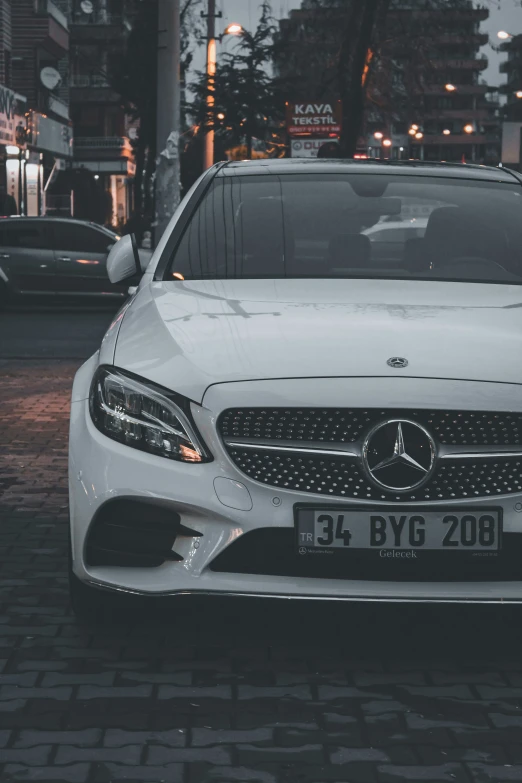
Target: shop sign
pixel 306 148
pixel 314 119
pixel 49 135
pixel 10 122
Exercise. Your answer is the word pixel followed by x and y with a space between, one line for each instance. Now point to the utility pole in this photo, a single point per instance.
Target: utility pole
pixel 208 148
pixel 168 115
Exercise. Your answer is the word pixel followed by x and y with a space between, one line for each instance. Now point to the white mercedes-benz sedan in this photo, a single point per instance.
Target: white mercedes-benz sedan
pixel 286 408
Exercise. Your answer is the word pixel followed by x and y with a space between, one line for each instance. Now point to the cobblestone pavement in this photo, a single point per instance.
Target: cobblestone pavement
pixel 254 691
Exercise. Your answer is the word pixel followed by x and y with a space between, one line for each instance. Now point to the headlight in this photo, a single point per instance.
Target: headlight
pixel 144 416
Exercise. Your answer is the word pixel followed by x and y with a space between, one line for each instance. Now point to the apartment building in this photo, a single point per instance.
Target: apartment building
pixel 103 153
pixel 35 131
pixel 425 73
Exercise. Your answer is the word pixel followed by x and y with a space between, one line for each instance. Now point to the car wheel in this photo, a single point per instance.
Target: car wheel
pixel 90 605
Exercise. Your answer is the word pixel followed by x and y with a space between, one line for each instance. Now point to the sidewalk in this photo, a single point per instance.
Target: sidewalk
pixel 34 422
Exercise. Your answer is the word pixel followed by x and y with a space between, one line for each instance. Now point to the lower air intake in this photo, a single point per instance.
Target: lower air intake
pixel 274 552
pixel 134 533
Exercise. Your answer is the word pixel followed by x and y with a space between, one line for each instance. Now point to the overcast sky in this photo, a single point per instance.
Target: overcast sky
pixel 504 15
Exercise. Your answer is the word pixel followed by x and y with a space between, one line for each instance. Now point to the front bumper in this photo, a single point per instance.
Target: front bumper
pixel 102 470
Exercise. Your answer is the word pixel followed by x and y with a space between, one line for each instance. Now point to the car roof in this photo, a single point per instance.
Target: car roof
pixel 371 166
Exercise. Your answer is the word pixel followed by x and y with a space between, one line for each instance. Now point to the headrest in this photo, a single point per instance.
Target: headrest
pixel 455 232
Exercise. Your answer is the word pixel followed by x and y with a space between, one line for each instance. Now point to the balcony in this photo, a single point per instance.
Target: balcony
pixel 96 18
pixel 104 155
pixel 96 80
pixel 512 64
pixel 461 138
pixel 92 88
pixel 513 44
pixel 477 64
pixel 48 7
pixel 511 87
pixel 465 115
pixel 489 106
pixel 102 148
pixel 99 26
pixel 50 27
pixel 463 89
pixel 457 39
pixel 461 16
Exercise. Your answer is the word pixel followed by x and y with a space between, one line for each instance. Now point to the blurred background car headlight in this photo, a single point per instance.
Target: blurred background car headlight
pixel 143 416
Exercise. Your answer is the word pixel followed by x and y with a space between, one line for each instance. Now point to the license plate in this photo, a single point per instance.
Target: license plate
pixel 411 530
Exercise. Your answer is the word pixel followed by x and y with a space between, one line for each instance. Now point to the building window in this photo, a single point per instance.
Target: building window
pixel 7 68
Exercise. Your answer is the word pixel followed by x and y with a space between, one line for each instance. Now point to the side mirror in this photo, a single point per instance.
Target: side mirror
pixel 124 261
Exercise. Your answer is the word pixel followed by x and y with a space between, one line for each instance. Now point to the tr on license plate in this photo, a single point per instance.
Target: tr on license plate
pixel 377 529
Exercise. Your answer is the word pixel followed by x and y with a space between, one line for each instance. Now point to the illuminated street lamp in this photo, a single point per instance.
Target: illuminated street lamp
pixel 386 142
pixel 233 29
pixel 412 131
pixel 519 93
pixel 450 87
pixel 446 132
pixel 468 128
pixel 503 35
pixel 415 127
pixel 378 135
pixel 419 135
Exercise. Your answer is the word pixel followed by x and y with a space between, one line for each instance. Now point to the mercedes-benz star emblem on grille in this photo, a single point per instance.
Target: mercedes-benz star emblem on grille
pixel 397 362
pixel 399 455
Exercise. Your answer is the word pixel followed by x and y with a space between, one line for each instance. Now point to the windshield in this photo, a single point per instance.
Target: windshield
pixel 354 225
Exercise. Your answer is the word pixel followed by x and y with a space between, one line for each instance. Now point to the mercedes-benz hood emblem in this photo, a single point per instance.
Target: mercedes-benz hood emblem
pixel 397 362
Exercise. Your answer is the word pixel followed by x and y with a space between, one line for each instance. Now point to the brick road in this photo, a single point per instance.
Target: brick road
pixel 253 691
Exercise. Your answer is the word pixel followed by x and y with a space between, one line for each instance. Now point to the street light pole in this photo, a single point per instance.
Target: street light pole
pixel 208 141
pixel 168 115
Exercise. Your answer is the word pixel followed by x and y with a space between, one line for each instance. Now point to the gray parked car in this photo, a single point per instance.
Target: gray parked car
pixel 55 256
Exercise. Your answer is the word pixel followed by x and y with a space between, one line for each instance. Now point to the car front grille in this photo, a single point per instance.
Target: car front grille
pixel 346 425
pixel 265 445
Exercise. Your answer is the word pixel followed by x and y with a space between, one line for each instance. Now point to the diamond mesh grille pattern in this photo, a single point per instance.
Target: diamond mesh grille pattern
pixel 340 477
pixel 345 425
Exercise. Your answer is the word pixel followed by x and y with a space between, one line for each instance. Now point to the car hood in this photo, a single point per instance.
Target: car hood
pixel 189 335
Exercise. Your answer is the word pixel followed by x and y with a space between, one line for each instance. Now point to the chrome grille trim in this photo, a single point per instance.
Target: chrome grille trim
pixel 480 454
pixel 445 452
pixel 292 449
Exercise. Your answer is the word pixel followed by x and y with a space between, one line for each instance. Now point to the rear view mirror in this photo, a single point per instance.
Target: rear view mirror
pixel 124 260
